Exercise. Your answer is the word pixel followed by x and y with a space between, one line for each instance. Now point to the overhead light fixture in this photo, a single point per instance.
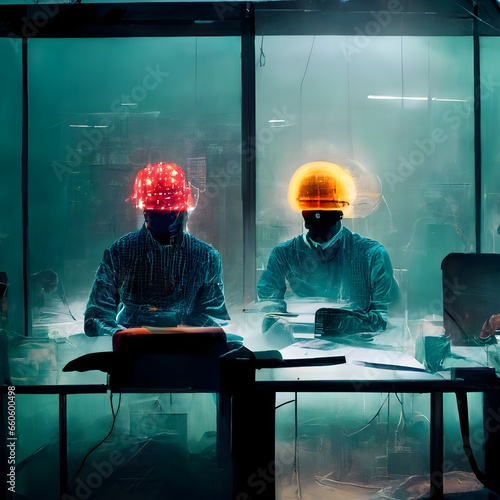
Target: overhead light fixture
pixel 438 99
pixel 403 98
pixel 279 123
pixel 84 125
pixel 396 98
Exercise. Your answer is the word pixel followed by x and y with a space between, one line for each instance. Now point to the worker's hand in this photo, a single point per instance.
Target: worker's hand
pixel 277 333
pixel 490 326
pixel 330 321
pixel 270 306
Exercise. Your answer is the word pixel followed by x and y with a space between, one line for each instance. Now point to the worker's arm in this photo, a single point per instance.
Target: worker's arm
pixel 102 305
pixel 373 319
pixel 382 283
pixel 272 285
pixel 210 307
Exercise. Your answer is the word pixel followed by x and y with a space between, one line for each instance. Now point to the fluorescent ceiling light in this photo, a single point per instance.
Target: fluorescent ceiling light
pixel 438 99
pixel 396 98
pixel 279 123
pixel 83 125
pixel 402 98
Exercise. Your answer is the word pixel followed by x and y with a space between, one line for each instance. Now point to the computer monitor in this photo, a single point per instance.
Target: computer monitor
pixel 471 294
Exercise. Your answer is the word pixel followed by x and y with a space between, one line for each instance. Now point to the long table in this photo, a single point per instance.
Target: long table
pixel 253 390
pixel 247 401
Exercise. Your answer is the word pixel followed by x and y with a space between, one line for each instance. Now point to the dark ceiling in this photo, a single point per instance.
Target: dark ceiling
pixel 301 17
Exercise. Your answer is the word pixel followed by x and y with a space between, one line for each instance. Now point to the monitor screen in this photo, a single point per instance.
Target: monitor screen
pixel 471 295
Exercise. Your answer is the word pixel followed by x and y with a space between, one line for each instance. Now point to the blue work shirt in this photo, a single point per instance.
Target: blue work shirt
pixel 355 270
pixel 140 282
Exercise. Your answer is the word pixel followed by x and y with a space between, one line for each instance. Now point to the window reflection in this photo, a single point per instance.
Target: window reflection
pixel 401 107
pixel 100 110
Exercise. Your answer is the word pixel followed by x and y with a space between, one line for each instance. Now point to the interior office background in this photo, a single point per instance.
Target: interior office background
pixel 240 95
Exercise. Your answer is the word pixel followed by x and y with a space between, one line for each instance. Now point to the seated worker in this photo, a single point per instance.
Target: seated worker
pixel 329 261
pixel 159 275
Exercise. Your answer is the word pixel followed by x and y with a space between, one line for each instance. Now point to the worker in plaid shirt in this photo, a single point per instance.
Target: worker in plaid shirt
pixel 159 275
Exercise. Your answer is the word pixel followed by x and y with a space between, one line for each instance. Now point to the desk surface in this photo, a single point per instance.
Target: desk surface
pixel 362 363
pixel 344 372
pixel 366 370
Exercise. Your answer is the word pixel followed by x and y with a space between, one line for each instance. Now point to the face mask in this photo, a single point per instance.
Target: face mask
pixel 160 223
pixel 177 226
pixel 321 218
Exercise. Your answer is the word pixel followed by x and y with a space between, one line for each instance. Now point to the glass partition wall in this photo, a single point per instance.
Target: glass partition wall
pixel 100 110
pixel 411 99
pixel 96 111
pixel 402 106
pixel 87 102
pixel 490 230
pixel 11 222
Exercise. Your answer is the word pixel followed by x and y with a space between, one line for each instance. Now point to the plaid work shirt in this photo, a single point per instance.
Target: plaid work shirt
pixel 140 282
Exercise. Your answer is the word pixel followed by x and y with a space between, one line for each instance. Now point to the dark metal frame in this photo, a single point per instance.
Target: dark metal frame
pixel 62 391
pixel 408 17
pixel 144 20
pixel 254 400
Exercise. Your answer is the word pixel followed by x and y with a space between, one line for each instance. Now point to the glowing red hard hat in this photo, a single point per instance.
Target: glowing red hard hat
pixel 162 186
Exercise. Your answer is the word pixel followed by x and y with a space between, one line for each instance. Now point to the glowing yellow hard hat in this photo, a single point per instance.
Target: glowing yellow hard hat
pixel 321 185
pixel 347 186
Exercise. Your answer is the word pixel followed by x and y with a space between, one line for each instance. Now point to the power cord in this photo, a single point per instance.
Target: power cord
pixel 115 414
pixel 463 413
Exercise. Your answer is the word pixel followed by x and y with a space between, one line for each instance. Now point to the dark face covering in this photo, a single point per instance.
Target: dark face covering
pixel 322 224
pixel 165 226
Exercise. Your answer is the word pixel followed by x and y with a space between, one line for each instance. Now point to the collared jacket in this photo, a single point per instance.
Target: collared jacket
pixel 140 282
pixel 355 270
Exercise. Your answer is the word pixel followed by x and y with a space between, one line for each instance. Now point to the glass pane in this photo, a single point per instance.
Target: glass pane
pixel 369 445
pixel 490 157
pixel 171 438
pixel 400 106
pixel 11 222
pixel 36 445
pixel 100 110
